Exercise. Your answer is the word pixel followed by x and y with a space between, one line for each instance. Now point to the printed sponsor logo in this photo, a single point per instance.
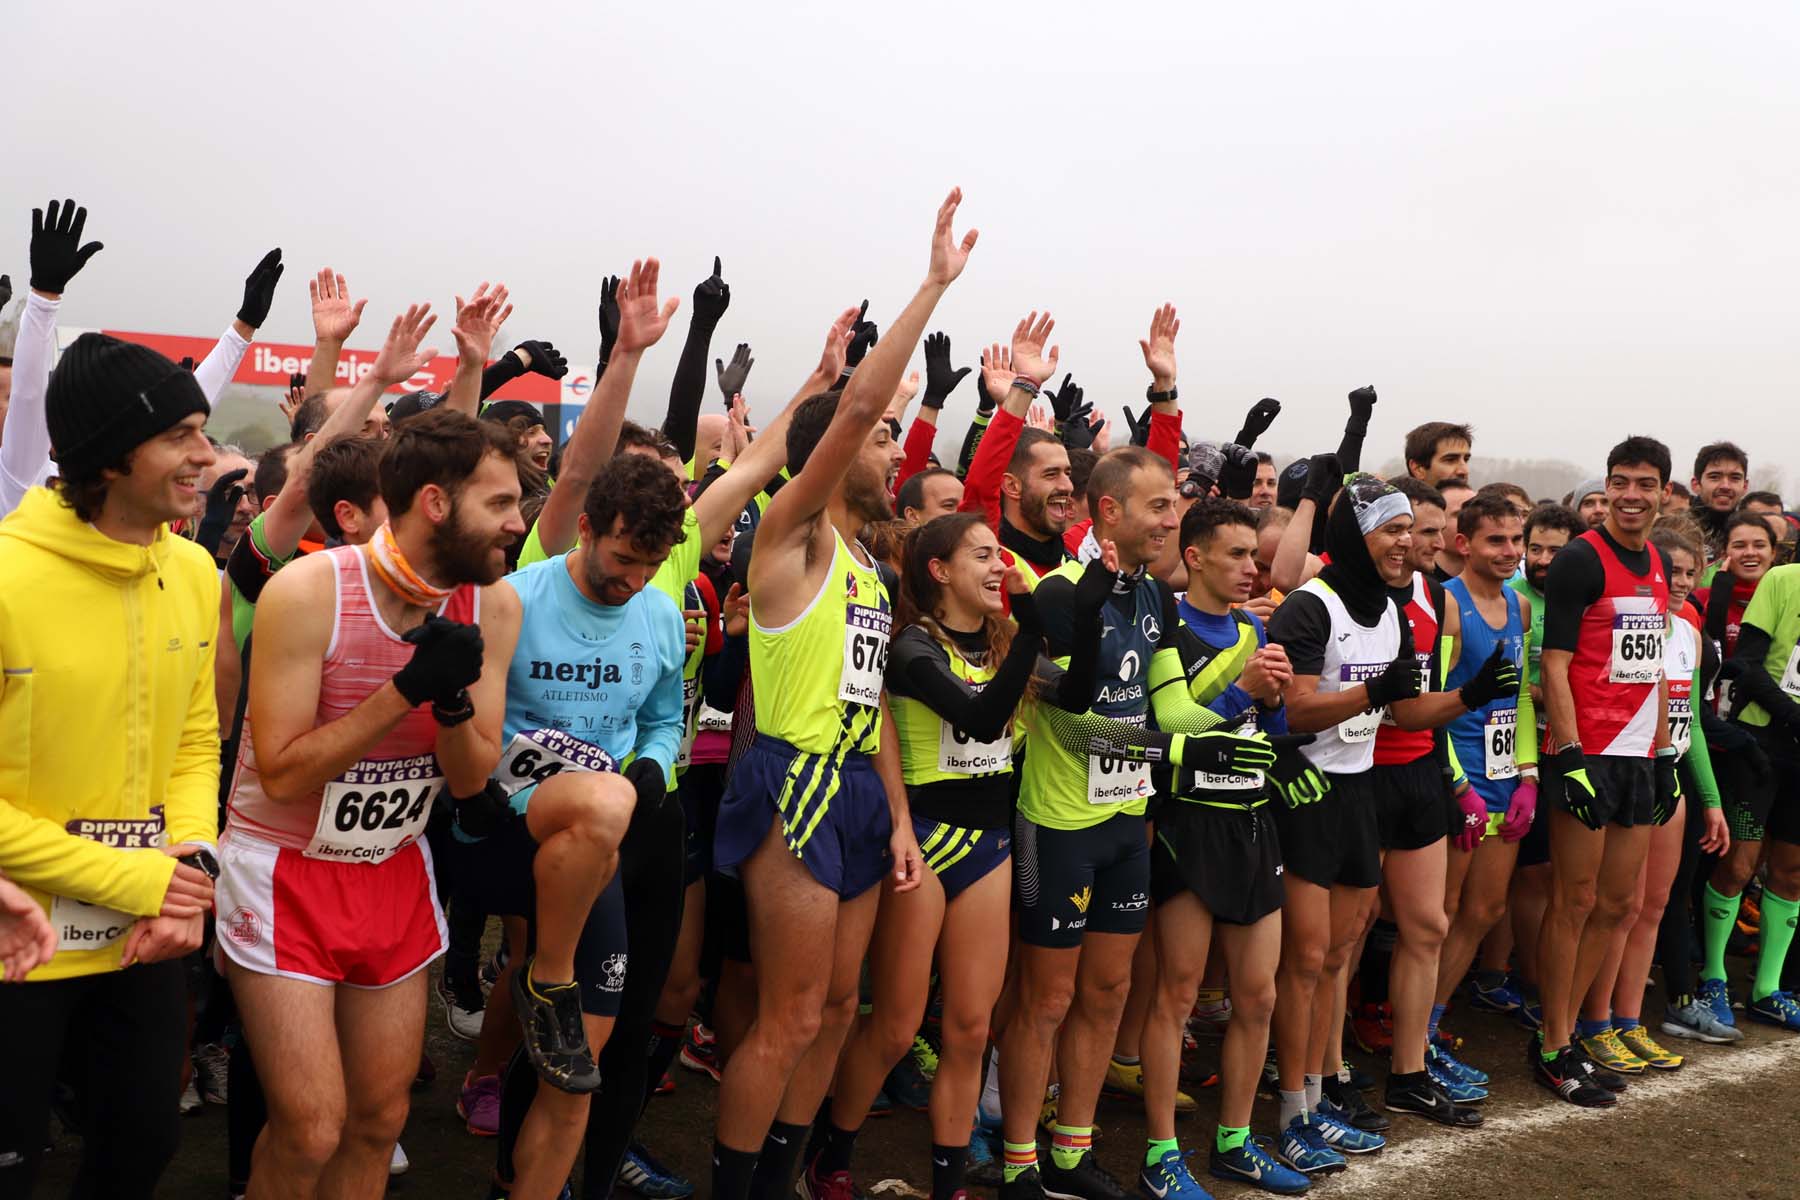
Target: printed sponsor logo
pixel 243 927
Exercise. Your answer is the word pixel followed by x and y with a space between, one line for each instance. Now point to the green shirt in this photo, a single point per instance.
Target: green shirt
pixel 1775 609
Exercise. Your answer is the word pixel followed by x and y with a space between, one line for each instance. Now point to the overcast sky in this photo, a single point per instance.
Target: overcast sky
pixel 1577 223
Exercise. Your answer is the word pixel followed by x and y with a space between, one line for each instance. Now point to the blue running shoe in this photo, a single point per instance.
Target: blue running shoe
pixel 640 1172
pixel 1776 1008
pixel 1306 1151
pixel 983 1169
pixel 1459 1091
pixel 1715 995
pixel 1456 1066
pixel 1170 1179
pixel 1252 1164
pixel 1530 1014
pixel 1503 997
pixel 1337 1132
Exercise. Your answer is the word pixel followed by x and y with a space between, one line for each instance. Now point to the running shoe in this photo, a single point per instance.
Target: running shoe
pixel 1639 1042
pixel 1455 1067
pixel 555 1037
pixel 1503 997
pixel 1124 1079
pixel 1608 1051
pixel 924 1057
pixel 835 1186
pixel 700 1051
pixel 462 1010
pixel 1460 1091
pixel 1337 1132
pixel 1373 1027
pixel 1252 1164
pixel 1211 1014
pixel 1611 1080
pixel 1776 1008
pixel 1047 1110
pixel 665 1087
pixel 1359 1078
pixel 1305 1151
pixel 1170 1179
pixel 1086 1180
pixel 640 1172
pixel 1530 1014
pixel 1715 995
pixel 1027 1185
pixel 490 970
pixel 1197 1069
pixel 211 1066
pixel 983 1168
pixel 1271 1075
pixel 1697 1021
pixel 1430 1099
pixel 906 1086
pixel 1443 1039
pixel 478 1104
pixel 190 1102
pixel 1566 1075
pixel 398 1163
pixel 1348 1101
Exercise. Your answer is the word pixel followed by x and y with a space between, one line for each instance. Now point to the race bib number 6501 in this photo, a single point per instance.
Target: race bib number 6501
pixel 1637 648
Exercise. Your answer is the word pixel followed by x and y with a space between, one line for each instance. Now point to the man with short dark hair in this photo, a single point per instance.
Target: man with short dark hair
pixel 1262 492
pixel 1439 452
pixel 1721 477
pixel 933 492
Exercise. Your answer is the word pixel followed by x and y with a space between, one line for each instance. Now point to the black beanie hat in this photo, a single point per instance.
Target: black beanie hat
pixel 1291 483
pixel 107 397
pixel 502 411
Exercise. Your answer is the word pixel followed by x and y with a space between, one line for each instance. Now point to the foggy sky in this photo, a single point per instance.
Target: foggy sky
pixel 1563 223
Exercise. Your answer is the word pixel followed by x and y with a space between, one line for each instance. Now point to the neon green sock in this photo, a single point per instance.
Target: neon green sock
pixel 1718 914
pixel 1068 1143
pixel 1544 1050
pixel 1019 1158
pixel 1157 1149
pixel 1778 917
pixel 1228 1140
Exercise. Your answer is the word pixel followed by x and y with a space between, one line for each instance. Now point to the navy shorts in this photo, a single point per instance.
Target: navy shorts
pixel 1067 882
pixel 834 814
pixel 958 856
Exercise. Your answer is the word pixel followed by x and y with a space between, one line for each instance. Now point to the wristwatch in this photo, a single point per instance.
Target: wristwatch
pixel 201 859
pixel 1156 397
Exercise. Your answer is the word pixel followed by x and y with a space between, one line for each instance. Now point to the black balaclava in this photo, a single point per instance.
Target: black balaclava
pixel 1365 505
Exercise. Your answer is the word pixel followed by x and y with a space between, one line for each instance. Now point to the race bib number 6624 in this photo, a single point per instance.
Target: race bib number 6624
pixel 376 808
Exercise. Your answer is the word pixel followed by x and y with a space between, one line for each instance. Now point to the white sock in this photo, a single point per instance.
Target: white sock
pixel 1315 1090
pixel 990 1090
pixel 1292 1105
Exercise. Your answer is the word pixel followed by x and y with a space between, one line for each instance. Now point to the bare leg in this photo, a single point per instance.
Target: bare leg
pixel 1183 933
pixel 291 1029
pixel 552 1133
pixel 1415 880
pixel 380 1033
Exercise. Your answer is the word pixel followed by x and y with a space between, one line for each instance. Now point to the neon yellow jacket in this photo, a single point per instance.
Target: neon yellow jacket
pixel 109 733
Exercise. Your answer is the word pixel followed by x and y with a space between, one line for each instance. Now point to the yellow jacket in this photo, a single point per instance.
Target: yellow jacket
pixel 109 733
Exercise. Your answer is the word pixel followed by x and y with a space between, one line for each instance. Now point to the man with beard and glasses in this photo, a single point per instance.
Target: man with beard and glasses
pixel 379 690
pixel 808 823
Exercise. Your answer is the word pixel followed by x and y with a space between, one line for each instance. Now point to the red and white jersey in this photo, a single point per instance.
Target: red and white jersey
pixel 381 804
pixel 1618 661
pixel 1394 745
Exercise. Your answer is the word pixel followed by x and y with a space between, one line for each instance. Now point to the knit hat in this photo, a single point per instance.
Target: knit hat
pixel 1291 483
pixel 412 404
pixel 1586 488
pixel 107 397
pixel 503 411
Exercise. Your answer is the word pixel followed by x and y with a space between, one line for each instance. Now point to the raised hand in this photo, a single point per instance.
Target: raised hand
pixel 712 296
pixel 335 317
pixel 940 377
pixel 738 432
pixel 1102 433
pixel 400 358
pixel 1362 406
pixel 863 335
pixel 1139 426
pixel 997 373
pixel 609 315
pixel 1262 414
pixel 1038 417
pixel 296 393
pixel 948 256
pixel 1066 402
pixel 57 254
pixel 735 609
pixel 259 289
pixel 903 395
pixel 477 321
pixel 837 343
pixel 6 292
pixel 641 322
pixel 1081 433
pixel 1159 347
pixel 543 358
pixel 1028 358
pixel 733 377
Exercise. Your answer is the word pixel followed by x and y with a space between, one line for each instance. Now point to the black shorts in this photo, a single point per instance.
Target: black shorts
pixel 1410 803
pixel 1534 847
pixel 1227 855
pixel 700 788
pixel 1624 789
pixel 1783 824
pixel 495 875
pixel 1744 794
pixel 1333 839
pixel 1068 882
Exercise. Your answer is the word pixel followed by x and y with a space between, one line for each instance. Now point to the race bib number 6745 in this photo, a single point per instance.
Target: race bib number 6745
pixel 865 655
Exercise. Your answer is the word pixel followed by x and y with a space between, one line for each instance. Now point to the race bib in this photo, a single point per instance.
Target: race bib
pixel 1362 726
pixel 1681 723
pixel 713 720
pixel 83 926
pixel 1790 678
pixel 376 808
pixel 534 755
pixel 1637 648
pixel 1114 781
pixel 865 655
pixel 1231 781
pixel 1499 740
pixel 960 754
pixel 690 702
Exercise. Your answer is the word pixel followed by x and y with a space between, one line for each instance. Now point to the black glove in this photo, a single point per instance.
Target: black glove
pixel 1079 434
pixel 1362 407
pixel 733 377
pixel 1066 403
pixel 446 659
pixel 1718 607
pixel 1205 462
pixel 485 813
pixel 5 290
pixel 646 775
pixel 1323 479
pixel 1262 414
pixel 1668 788
pixel 863 334
pixel 221 505
pixel 985 404
pixel 259 289
pixel 1237 478
pixel 1498 677
pixel 1139 426
pixel 1220 752
pixel 57 254
pixel 609 317
pixel 1401 679
pixel 711 297
pixel 940 377
pixel 544 359
pixel 1578 790
pixel 1295 778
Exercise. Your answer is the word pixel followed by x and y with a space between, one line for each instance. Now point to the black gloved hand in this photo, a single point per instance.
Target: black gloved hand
pixel 221 505
pixel 57 254
pixel 1079 434
pixel 940 377
pixel 446 659
pixel 1718 606
pixel 1221 752
pixel 732 377
pixel 1064 400
pixel 5 290
pixel 1362 407
pixel 863 335
pixel 259 289
pixel 646 775
pixel 985 403
pixel 1205 462
pixel 1400 681
pixel 1295 778
pixel 1498 676
pixel 543 359
pixel 1139 426
pixel 1668 788
pixel 1323 479
pixel 609 317
pixel 485 813
pixel 712 297
pixel 1237 478
pixel 1262 414
pixel 1578 790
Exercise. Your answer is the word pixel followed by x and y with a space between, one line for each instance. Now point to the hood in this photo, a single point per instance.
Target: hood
pixel 44 521
pixel 1351 572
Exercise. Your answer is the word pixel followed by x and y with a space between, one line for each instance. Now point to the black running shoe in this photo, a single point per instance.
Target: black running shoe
pixel 1567 1076
pixel 1612 1081
pixel 1355 1109
pixel 1086 1180
pixel 1025 1186
pixel 555 1037
pixel 1427 1098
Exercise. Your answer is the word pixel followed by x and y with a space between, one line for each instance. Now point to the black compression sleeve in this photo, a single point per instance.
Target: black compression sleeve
pixel 499 373
pixel 1718 606
pixel 1349 450
pixel 688 388
pixel 982 715
pixel 971 440
pixel 721 672
pixel 1575 581
pixel 1755 682
pixel 1302 627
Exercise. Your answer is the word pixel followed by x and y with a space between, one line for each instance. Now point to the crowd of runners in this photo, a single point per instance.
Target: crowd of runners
pixel 1090 759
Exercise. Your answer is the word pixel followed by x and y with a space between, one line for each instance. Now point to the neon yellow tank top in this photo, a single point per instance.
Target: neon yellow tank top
pixel 819 677
pixel 931 749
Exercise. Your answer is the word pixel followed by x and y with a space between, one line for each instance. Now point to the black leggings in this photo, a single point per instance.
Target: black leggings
pixel 126 1033
pixel 1675 936
pixel 650 874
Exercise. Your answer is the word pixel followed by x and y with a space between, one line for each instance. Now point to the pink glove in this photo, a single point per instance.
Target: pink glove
pixel 1517 822
pixel 1474 819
